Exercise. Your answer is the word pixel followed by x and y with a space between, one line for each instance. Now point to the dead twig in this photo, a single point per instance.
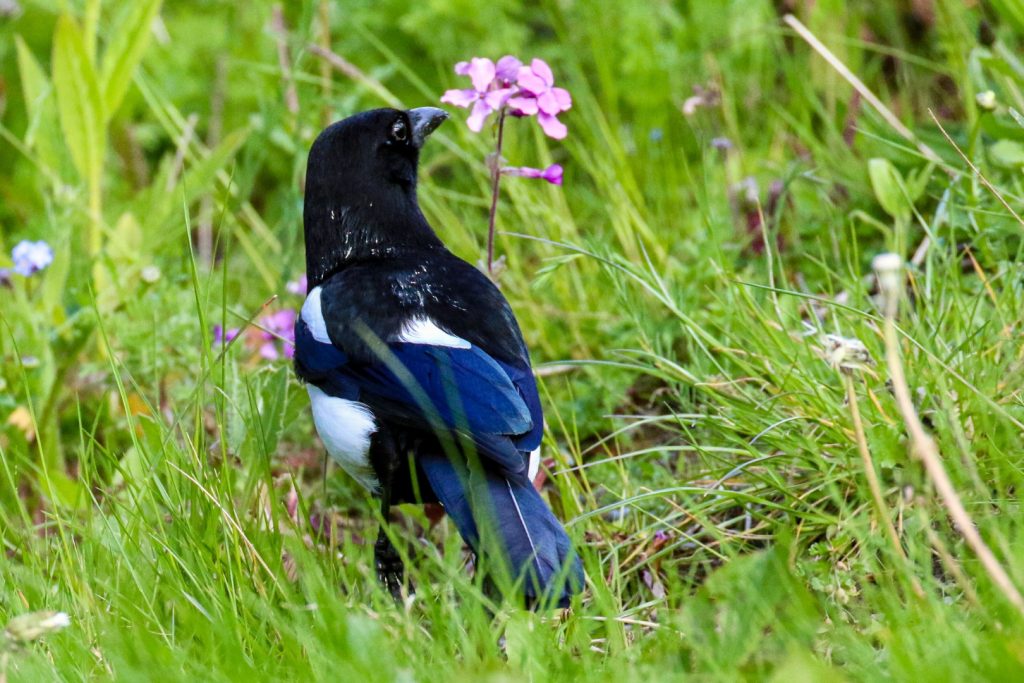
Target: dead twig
pixel 356 74
pixel 889 268
pixel 291 96
pixel 984 181
pixel 861 88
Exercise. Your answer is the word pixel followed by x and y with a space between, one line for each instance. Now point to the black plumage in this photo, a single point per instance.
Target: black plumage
pixel 398 326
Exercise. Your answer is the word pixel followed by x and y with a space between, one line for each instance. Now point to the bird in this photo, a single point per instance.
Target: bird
pixel 419 379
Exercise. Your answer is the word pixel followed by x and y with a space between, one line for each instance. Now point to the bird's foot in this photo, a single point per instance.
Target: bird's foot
pixel 390 570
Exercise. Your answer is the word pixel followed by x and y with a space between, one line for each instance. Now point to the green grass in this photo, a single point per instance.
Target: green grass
pixel 162 490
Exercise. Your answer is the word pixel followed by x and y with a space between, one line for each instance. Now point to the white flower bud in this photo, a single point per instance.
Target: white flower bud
pixel 986 100
pixel 25 628
pixel 889 269
pixel 150 274
pixel 846 353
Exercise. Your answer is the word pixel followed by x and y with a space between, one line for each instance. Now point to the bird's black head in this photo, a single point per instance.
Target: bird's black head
pixel 361 188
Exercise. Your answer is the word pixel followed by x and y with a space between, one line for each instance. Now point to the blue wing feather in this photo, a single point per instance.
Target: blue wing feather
pixel 526 385
pixel 322 364
pixel 497 405
pixel 531 541
pixel 463 388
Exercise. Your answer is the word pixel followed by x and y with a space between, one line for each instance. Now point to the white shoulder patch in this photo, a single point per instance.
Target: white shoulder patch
pixel 314 317
pixel 425 331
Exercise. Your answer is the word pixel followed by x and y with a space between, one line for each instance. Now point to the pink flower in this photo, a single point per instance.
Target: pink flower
pixel 552 174
pixel 526 90
pixel 507 70
pixel 220 337
pixel 491 88
pixel 298 287
pixel 278 326
pixel 537 95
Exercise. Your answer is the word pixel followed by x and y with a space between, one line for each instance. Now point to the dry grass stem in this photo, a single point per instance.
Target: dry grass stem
pixel 890 280
pixel 981 176
pixel 291 96
pixel 860 87
pixel 872 477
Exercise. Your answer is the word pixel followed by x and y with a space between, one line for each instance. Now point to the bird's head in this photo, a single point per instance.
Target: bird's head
pixel 361 187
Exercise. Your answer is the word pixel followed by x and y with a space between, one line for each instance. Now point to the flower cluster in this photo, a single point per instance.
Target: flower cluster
pixel 525 90
pixel 29 258
pixel 278 334
pixel 510 87
pixel 272 337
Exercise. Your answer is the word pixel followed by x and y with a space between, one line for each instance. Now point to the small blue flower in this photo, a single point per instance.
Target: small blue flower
pixel 31 257
pixel 721 143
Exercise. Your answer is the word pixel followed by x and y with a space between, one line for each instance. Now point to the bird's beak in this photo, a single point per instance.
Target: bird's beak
pixel 424 120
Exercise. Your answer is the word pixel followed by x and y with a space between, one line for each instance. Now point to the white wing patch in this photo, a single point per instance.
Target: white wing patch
pixel 314 317
pixel 534 466
pixel 345 428
pixel 422 330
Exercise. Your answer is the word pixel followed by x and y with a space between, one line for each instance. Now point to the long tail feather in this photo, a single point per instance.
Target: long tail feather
pixel 503 514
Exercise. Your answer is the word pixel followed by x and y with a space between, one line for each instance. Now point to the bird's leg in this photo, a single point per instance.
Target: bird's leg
pixel 390 570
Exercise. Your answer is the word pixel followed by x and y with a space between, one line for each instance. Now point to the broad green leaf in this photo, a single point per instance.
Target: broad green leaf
pixel 888 187
pixel 1010 10
pixel 1007 154
pixel 54 286
pixel 124 52
pixel 91 28
pixel 78 100
pixel 41 133
pixel 34 84
pixel 201 178
pixel 159 205
pixel 125 243
pixel 917 181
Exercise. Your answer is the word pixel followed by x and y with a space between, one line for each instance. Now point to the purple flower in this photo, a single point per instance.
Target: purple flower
pixel 278 326
pixel 220 338
pixel 31 257
pixel 5 278
pixel 539 96
pixel 269 351
pixel 491 88
pixel 552 174
pixel 721 143
pixel 299 286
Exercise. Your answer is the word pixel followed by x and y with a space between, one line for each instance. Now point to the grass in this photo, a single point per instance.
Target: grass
pixel 169 494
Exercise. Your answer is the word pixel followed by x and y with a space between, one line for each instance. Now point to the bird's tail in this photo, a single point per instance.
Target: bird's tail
pixel 503 517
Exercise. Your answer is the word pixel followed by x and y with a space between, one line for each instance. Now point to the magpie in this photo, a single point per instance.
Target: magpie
pixel 419 380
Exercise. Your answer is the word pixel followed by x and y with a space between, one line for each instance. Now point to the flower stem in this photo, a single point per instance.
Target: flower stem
pixel 881 509
pixel 495 182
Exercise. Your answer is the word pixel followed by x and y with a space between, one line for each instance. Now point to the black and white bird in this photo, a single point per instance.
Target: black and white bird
pixel 419 379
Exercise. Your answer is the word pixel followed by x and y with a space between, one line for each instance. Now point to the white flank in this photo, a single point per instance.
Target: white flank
pixel 314 317
pixel 345 428
pixel 534 466
pixel 425 331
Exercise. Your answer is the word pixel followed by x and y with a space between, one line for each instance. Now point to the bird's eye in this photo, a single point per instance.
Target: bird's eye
pixel 399 131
